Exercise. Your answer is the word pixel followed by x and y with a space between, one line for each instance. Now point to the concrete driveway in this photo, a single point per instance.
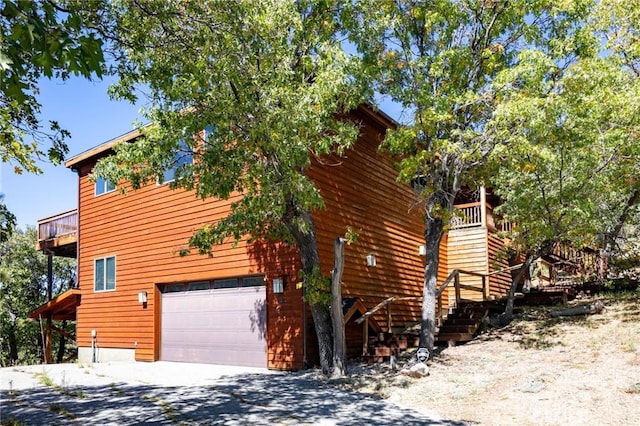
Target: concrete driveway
pixel 179 393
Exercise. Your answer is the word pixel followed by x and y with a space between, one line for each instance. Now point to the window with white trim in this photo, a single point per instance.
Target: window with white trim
pixel 103 186
pixel 183 156
pixel 104 278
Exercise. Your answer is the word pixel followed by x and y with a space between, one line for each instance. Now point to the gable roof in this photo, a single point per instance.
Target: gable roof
pixel 377 115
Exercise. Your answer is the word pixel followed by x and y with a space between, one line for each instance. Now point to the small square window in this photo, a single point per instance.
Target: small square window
pixel 183 156
pixel 105 274
pixel 103 186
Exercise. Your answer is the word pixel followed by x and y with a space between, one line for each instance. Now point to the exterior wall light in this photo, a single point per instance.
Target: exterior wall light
pixel 142 297
pixel 278 285
pixel 371 259
pixel 422 250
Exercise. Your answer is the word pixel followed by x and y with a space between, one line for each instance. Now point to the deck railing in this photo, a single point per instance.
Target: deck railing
pixel 470 215
pixel 58 225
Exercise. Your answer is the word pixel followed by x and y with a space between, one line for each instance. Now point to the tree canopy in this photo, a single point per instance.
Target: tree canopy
pixel 23 287
pixel 438 60
pixel 39 39
pixel 266 81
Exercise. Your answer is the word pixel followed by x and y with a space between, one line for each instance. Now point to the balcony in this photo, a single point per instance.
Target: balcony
pixel 59 234
pixel 477 215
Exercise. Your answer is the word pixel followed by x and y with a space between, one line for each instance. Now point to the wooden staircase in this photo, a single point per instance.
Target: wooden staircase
pixel 463 323
pixel 458 321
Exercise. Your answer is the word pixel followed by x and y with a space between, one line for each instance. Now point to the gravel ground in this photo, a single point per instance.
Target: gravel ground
pixel 537 371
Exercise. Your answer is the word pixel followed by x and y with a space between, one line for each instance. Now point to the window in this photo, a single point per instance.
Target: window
pixel 105 274
pixel 236 282
pixel 103 186
pixel 182 157
pixel 228 283
pixel 208 131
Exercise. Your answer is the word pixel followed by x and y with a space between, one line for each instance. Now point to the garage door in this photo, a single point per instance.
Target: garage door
pixel 217 325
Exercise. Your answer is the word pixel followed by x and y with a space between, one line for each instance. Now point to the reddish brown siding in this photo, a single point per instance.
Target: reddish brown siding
pixel 146 228
pixel 360 191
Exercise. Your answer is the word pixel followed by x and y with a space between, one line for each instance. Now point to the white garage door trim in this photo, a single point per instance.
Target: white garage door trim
pixel 217 326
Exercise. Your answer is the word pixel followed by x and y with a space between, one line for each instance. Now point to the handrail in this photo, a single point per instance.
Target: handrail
pixel 453 275
pixel 446 282
pixel 382 305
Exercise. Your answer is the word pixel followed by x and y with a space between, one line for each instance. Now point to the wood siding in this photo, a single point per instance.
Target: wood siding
pixel 476 250
pixel 146 228
pixel 443 271
pixel 499 284
pixel 360 191
pixel 468 251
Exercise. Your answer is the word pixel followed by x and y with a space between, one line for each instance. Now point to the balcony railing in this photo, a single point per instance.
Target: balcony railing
pixel 470 215
pixel 57 226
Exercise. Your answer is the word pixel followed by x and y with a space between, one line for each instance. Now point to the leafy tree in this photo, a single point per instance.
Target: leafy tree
pixel 7 221
pixel 438 60
pixel 572 148
pixel 266 80
pixel 23 287
pixel 571 122
pixel 618 24
pixel 39 39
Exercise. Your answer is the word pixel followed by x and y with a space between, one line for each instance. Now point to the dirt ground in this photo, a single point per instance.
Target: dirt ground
pixel 537 371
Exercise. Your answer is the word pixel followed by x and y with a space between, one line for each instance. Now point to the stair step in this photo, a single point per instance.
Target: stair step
pixel 460 321
pixel 455 337
pixel 446 328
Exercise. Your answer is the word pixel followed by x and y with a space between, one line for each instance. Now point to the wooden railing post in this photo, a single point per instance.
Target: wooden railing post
pixel 389 318
pixel 485 288
pixel 483 207
pixel 456 283
pixel 365 336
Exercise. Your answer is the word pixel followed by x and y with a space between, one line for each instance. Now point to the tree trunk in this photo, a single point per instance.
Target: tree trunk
pixel 339 341
pixel 612 236
pixel 543 249
pixel 433 236
pixel 13 345
pixel 61 344
pixel 507 315
pixel 307 242
pixel 594 308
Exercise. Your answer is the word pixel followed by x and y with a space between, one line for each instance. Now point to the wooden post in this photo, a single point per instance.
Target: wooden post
pixel 485 288
pixel 483 207
pixel 365 336
pixel 339 340
pixel 389 318
pixel 456 283
pixel 48 350
pixel 48 341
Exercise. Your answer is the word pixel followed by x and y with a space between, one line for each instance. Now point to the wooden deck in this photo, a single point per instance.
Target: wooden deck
pixel 59 234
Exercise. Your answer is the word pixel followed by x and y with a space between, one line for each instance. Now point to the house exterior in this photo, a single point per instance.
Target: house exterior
pixel 137 299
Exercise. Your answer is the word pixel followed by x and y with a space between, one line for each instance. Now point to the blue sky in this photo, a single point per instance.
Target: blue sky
pixel 84 108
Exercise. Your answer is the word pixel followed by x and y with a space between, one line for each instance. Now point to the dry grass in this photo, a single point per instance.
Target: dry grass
pixel 538 370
